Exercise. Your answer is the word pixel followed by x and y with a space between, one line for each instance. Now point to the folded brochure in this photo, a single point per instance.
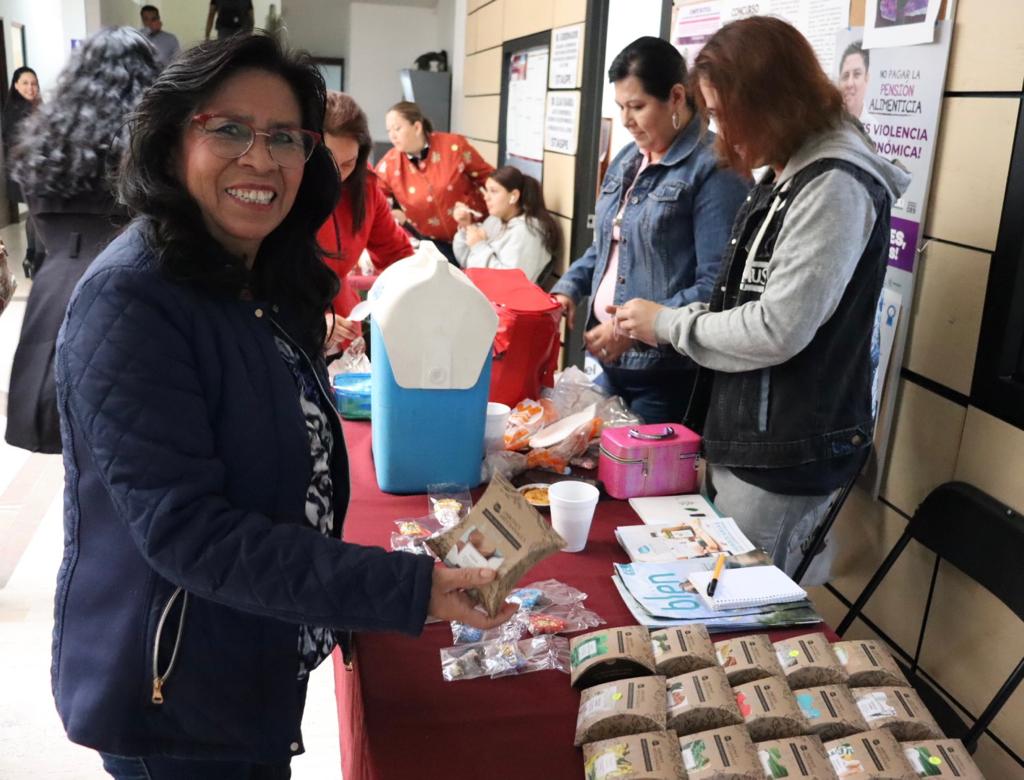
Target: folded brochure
pixel 682 540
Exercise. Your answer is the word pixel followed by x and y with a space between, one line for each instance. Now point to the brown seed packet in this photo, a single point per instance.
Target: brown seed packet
pixel 621 708
pixel 898 709
pixel 683 649
pixel 831 711
pixel 747 658
pixel 770 710
pixel 941 758
pixel 808 661
pixel 610 654
pixel 795 757
pixel 700 701
pixel 869 664
pixel 650 756
pixel 720 754
pixel 870 755
pixel 502 532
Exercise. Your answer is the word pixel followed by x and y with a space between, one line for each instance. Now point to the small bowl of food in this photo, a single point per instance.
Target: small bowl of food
pixel 536 494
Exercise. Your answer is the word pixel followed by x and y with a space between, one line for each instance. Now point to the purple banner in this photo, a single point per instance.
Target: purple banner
pixel 902 244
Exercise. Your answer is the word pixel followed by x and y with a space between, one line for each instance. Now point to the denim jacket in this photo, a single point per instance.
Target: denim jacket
pixel 674 230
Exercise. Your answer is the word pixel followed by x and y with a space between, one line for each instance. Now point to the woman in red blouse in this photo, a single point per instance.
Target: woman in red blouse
pixel 361 220
pixel 428 172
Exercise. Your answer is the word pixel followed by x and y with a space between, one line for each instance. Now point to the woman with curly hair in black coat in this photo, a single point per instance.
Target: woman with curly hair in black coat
pixel 70 148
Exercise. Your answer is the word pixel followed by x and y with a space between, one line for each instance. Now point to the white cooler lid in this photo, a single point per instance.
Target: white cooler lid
pixel 438 328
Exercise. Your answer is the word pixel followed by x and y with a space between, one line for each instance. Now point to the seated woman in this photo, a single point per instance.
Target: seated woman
pixel 787 346
pixel 519 231
pixel 204 573
pixel 362 218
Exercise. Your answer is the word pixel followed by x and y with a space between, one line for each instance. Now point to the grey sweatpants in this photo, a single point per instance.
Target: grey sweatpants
pixel 777 523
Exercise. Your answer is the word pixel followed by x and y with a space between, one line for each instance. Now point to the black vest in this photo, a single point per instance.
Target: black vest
pixel 817 405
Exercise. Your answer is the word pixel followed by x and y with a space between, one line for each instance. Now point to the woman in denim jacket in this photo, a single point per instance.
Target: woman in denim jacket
pixel 662 222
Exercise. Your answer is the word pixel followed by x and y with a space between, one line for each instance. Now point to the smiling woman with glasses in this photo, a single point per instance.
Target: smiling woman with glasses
pixel 205 575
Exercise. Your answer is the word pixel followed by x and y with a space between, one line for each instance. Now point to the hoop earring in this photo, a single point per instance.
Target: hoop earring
pixel 675 121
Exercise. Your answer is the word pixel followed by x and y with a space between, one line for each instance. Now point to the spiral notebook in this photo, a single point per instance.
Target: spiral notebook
pixel 754 586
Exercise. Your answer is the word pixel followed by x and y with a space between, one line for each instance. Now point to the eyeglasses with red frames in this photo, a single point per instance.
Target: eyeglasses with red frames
pixel 230 138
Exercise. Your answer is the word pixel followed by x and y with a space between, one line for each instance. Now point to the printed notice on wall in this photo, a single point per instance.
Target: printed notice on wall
pixel 562 120
pixel 566 45
pixel 524 121
pixel 818 20
pixel 899 22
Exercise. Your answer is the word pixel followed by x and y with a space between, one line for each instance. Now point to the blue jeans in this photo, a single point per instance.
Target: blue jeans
pixel 657 396
pixel 165 768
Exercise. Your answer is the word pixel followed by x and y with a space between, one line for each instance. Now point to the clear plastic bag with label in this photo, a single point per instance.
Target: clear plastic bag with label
pixel 499 658
pixel 411 533
pixel 448 502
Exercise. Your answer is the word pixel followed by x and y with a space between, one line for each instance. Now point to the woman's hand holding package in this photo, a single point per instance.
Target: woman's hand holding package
pixel 340 330
pixel 448 602
pixel 635 318
pixel 605 342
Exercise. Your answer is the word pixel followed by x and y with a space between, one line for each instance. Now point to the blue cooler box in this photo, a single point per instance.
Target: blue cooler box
pixel 432 336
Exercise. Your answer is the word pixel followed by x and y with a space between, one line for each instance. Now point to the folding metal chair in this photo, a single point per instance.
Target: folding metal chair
pixel 983 539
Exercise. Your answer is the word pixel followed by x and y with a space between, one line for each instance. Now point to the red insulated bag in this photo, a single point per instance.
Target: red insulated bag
pixel 526 346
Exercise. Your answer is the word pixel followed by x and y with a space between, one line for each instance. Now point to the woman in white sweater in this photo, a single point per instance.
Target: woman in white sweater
pixel 519 231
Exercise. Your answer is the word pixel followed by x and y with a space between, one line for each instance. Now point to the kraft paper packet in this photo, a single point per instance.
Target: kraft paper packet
pixel 941 758
pixel 869 664
pixel 808 660
pixel 610 654
pixel 720 754
pixel 794 757
pixel 650 756
pixel 621 708
pixel 770 710
pixel 831 711
pixel 748 658
pixel 870 755
pixel 700 701
pixel 502 532
pixel 681 650
pixel 898 709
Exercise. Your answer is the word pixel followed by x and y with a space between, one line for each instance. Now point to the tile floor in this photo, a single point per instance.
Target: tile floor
pixel 32 741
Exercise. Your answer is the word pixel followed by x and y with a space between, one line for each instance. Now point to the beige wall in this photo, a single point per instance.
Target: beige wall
pixel 973 642
pixel 488 26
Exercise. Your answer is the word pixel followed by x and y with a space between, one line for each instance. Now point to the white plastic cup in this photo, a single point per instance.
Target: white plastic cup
pixel 572 507
pixel 494 428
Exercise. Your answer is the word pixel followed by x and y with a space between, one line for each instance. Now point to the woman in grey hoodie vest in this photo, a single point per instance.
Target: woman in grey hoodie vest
pixel 787 347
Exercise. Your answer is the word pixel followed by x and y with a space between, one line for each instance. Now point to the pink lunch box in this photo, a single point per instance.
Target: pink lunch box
pixel 649 460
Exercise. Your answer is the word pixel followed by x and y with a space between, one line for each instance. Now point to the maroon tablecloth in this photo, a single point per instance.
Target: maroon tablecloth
pixel 399 719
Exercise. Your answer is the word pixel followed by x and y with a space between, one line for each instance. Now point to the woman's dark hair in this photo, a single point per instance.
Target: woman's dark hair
pixel 345 118
pixel 413 114
pixel 857 47
pixel 73 144
pixel 772 93
pixel 531 201
pixel 12 93
pixel 656 63
pixel 288 269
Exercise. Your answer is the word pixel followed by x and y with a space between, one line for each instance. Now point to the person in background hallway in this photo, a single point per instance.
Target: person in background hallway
pixel 22 99
pixel 661 224
pixel 853 78
pixel 519 232
pixel 427 172
pixel 788 345
pixel 165 43
pixel 204 574
pixel 69 149
pixel 362 218
pixel 229 17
